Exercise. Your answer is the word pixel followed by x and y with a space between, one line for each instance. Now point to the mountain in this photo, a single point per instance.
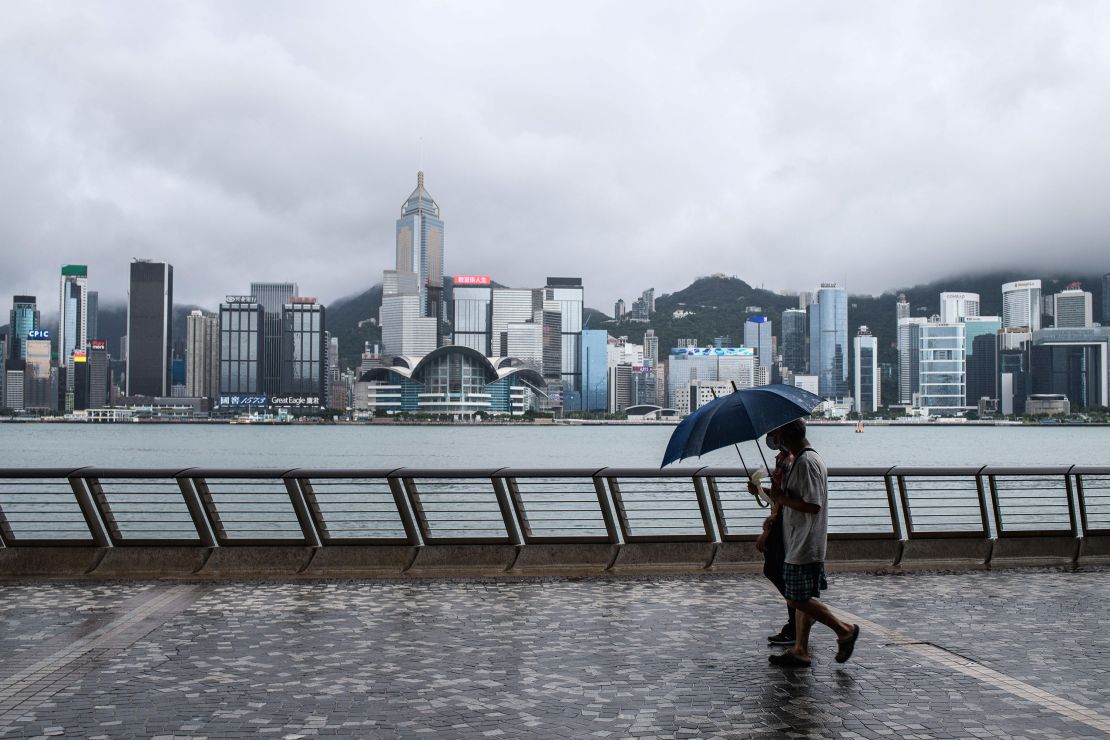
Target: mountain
pixel 343 318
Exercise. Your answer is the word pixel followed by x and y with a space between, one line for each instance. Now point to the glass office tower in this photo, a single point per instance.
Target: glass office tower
pixel 272 296
pixel 73 308
pixel 472 317
pixel 420 246
pixel 595 369
pixel 569 294
pixel 23 319
pixel 303 369
pixel 794 340
pixel 757 335
pixel 241 321
pixel 828 340
pixel 943 386
pixel 149 329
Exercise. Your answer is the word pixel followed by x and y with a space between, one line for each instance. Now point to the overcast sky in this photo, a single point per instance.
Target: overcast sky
pixel 636 144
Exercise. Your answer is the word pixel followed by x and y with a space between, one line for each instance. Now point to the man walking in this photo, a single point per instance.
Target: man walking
pixel 804 499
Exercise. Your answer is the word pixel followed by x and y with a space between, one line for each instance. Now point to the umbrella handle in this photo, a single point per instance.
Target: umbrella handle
pixel 759 502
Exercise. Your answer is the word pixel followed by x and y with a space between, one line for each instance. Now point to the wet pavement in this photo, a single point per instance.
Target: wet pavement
pixel 1020 653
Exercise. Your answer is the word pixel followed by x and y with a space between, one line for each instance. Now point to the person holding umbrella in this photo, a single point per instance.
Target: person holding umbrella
pixel 804 499
pixel 771 542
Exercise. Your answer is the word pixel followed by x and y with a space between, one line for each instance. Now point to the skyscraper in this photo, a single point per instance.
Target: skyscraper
pixel 93 323
pixel 595 369
pixel 1021 305
pixel 828 340
pixel 304 353
pixel 241 321
pixel 981 357
pixel 510 306
pixel 405 328
pixel 651 348
pixel 568 294
pixel 901 308
pixel 73 310
pixel 1072 308
pixel 202 357
pixel 867 372
pixel 99 375
pixel 943 382
pixel 149 328
pixel 272 296
pixel 471 328
pixel 757 335
pixel 794 340
pixel 24 319
pixel 908 356
pixel 420 247
pixel 1106 299
pixel 957 306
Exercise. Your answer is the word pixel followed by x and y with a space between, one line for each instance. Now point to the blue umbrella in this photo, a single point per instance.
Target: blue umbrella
pixel 738 417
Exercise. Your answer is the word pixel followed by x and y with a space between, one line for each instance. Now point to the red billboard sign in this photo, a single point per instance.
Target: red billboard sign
pixel 472 280
pixel 98 344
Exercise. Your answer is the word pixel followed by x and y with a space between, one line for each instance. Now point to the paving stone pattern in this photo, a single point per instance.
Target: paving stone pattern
pixel 1016 654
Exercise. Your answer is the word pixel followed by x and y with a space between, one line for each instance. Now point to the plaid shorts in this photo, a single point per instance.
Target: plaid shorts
pixel 803 582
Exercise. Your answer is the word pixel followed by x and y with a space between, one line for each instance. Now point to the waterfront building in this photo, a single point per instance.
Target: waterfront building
pixel 958 306
pixel 241 348
pixel 405 329
pixel 509 306
pixel 981 358
pixel 643 388
pixel 271 296
pixel 568 294
pixel 472 297
pixel 1021 305
pixel 908 370
pixel 828 343
pixel 202 357
pixel 1048 404
pixel 40 378
pixel 1073 362
pixel 73 310
pixel 420 247
pixel 303 357
pixel 728 364
pixel 1072 308
pixel 620 388
pixel 867 399
pixel 549 317
pixel 595 369
pixel 757 335
pixel 98 371
pixel 806 382
pixel 14 385
pixel 22 322
pixel 695 394
pixel 92 324
pixel 794 350
pixel 149 329
pixel 453 381
pixel 3 365
pixel 942 380
pixel 525 341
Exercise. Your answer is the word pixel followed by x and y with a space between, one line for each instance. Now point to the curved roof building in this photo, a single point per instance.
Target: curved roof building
pixel 455 380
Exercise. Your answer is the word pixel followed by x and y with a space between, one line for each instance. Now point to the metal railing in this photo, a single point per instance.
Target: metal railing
pixel 893 516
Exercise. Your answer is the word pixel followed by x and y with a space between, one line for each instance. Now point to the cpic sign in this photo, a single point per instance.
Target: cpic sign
pixel 38 334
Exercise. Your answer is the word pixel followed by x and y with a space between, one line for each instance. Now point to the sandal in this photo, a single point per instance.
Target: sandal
pixel 847 646
pixel 788 660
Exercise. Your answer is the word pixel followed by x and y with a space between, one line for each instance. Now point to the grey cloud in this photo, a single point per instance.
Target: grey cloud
pixel 635 144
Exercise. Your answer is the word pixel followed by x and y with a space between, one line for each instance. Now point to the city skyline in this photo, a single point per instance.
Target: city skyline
pixel 753 118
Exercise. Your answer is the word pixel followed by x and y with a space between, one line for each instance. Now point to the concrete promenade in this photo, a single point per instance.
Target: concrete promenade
pixel 1018 653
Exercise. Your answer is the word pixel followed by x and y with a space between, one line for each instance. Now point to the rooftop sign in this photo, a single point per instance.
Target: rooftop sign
pixel 240 299
pixel 302 299
pixel 76 270
pixel 38 334
pixel 472 280
pixel 713 351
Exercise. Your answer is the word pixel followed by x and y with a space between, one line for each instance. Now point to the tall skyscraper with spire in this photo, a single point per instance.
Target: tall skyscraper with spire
pixel 420 247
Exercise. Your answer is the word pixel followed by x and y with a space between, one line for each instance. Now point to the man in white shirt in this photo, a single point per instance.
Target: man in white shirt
pixel 804 498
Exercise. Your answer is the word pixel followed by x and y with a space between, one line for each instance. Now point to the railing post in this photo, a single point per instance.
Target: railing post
pixel 712 530
pixel 88 510
pixel 512 527
pixel 618 506
pixel 304 519
pixel 607 513
pixel 1079 493
pixel 405 511
pixel 196 512
pixel 895 520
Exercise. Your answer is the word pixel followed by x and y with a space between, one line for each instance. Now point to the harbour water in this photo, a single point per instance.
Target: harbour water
pixel 368 446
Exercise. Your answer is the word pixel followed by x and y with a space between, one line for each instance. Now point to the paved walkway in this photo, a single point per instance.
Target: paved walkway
pixel 1000 654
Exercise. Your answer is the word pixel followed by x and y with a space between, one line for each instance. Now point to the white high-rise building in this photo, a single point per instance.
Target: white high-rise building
pixel 202 358
pixel 73 311
pixel 524 341
pixel 942 370
pixel 908 376
pixel 1073 308
pixel 510 306
pixel 406 330
pixel 957 306
pixel 902 308
pixel 867 372
pixel 1021 305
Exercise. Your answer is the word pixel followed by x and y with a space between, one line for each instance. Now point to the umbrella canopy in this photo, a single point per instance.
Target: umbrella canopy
pixel 738 417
